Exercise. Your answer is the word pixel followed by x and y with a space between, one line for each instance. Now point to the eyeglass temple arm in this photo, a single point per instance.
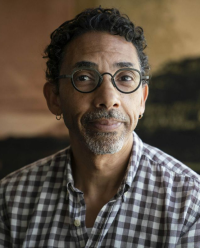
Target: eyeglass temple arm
pixel 145 77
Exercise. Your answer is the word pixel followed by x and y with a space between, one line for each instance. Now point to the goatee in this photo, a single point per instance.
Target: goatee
pixel 104 142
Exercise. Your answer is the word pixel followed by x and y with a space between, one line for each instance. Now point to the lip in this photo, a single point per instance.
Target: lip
pixel 105 124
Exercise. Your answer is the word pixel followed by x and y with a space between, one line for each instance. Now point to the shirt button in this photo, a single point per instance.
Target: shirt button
pixel 77 222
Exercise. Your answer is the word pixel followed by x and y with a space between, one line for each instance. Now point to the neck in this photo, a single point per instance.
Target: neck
pixel 97 174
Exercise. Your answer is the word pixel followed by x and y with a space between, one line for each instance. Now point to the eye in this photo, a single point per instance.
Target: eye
pixel 83 78
pixel 126 78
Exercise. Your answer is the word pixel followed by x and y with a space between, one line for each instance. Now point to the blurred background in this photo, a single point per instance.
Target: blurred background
pixel 28 131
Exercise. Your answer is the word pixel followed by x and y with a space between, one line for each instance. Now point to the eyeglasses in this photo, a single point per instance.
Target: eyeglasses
pixel 86 80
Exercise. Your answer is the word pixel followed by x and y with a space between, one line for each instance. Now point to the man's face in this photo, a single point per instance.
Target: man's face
pixel 102 120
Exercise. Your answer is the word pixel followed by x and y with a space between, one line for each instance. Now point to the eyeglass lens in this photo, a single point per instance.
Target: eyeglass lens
pixel 126 80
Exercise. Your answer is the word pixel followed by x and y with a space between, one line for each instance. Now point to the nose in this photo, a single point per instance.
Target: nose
pixel 107 96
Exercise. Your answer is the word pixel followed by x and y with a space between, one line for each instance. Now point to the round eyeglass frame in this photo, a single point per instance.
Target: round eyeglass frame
pixel 101 79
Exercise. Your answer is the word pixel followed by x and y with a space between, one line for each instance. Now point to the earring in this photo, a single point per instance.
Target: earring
pixel 58 117
pixel 140 117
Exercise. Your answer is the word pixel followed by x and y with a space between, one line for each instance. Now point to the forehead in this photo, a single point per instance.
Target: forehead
pixel 100 48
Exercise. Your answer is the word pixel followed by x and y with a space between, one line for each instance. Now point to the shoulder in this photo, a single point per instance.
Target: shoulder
pixel 174 183
pixel 33 175
pixel 180 183
pixel 21 191
pixel 163 161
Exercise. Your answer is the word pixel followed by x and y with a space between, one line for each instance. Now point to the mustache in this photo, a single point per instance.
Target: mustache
pixel 103 113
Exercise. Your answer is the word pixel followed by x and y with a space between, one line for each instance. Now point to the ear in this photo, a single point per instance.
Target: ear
pixel 52 98
pixel 145 93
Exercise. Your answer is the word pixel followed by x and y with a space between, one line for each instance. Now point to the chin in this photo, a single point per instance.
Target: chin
pixel 104 143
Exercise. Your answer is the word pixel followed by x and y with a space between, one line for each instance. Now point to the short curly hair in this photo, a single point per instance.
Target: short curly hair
pixel 97 19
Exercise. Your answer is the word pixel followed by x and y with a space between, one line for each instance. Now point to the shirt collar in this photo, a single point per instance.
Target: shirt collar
pixel 134 159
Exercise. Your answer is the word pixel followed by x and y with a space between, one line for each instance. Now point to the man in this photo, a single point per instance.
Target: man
pixel 108 189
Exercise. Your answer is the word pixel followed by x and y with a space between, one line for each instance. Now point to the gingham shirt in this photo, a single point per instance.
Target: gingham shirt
pixel 157 205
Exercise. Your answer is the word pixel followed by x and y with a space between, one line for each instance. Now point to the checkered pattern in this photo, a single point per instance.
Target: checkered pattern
pixel 158 205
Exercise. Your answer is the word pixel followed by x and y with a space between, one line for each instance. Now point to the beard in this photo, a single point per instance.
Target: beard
pixel 101 143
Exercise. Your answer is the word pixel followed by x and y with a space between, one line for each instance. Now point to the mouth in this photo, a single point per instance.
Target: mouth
pixel 105 125
pixel 104 121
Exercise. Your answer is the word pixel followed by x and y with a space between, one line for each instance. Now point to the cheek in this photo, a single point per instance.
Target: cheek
pixel 133 105
pixel 73 107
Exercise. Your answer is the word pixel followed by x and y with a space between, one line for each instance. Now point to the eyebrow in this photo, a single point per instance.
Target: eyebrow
pixel 124 64
pixel 88 64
